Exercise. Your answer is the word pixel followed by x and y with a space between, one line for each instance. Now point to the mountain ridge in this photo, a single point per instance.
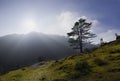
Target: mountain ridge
pixel 101 64
pixel 17 50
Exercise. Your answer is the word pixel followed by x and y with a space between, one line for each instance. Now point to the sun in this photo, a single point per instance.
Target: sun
pixel 30 25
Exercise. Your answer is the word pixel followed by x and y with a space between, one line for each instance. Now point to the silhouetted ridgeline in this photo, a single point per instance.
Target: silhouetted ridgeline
pixel 17 51
pixel 21 50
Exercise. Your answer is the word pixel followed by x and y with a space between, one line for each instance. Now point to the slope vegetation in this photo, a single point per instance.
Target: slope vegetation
pixel 102 64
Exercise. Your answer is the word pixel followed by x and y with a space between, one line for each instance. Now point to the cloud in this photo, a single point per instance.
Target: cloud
pixel 62 23
pixel 107 36
pixel 66 21
pixel 101 31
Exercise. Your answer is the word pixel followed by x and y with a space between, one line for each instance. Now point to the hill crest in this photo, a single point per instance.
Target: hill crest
pixel 103 64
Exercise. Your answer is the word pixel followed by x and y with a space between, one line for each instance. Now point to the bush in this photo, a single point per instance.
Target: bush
pixel 114 57
pixel 23 69
pixel 83 67
pixel 74 75
pixel 115 51
pixel 100 62
pixel 114 70
pixel 43 78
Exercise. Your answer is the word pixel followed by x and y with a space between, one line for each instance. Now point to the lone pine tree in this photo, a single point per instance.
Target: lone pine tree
pixel 79 34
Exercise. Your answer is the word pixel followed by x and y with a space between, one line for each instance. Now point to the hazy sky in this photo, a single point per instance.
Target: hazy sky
pixel 58 16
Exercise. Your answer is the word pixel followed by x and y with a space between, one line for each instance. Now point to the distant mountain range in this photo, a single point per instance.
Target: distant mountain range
pixel 21 50
pixel 102 64
pixel 17 50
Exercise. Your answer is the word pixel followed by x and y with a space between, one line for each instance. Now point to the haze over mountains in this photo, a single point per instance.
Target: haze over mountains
pixel 21 50
pixel 18 50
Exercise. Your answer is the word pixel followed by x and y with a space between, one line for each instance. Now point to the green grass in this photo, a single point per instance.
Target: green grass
pixel 102 64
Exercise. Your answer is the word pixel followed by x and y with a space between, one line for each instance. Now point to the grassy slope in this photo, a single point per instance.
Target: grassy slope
pixel 102 64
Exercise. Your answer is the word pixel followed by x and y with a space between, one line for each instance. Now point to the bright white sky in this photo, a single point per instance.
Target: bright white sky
pixel 58 16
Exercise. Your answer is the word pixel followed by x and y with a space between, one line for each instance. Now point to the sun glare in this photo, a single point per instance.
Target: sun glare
pixel 30 25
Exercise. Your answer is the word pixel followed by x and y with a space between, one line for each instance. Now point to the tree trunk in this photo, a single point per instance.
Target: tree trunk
pixel 81 47
pixel 80 41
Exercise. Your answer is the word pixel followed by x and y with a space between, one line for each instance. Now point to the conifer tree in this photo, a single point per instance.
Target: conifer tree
pixel 80 33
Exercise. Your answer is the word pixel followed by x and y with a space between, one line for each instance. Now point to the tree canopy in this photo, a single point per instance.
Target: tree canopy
pixel 80 33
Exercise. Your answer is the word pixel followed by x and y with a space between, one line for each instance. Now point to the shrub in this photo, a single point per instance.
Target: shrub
pixel 114 70
pixel 23 69
pixel 115 51
pixel 100 62
pixel 73 75
pixel 83 67
pixel 114 57
pixel 43 78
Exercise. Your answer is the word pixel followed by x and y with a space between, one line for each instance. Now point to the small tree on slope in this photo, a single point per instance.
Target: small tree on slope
pixel 79 34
